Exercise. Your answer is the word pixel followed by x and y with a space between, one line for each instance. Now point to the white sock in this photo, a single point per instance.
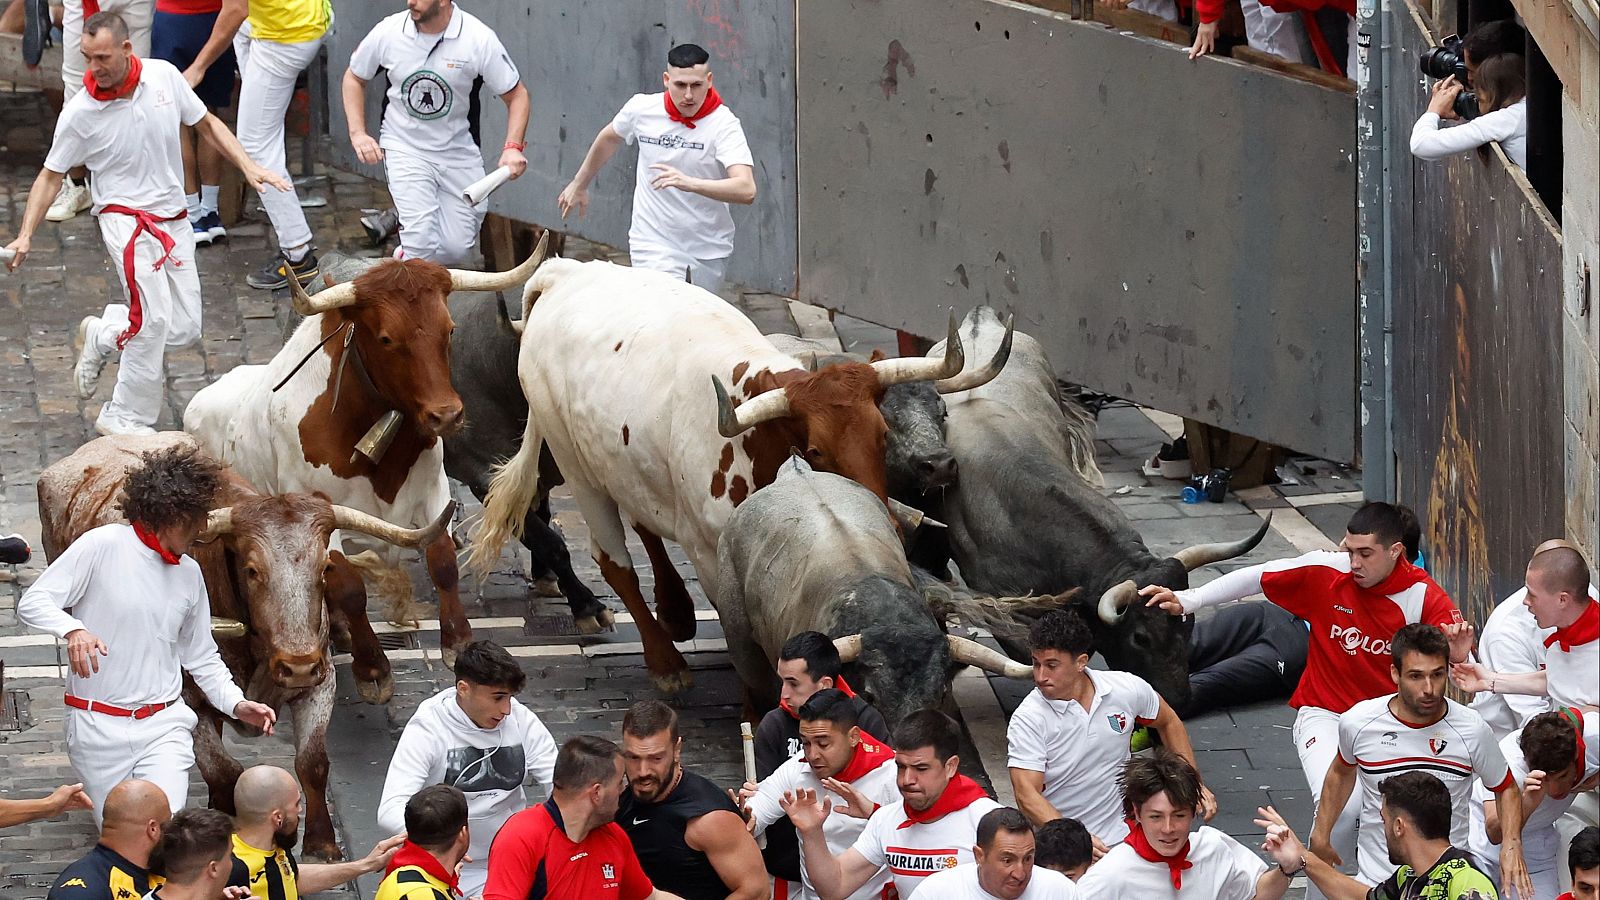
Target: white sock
pixel 298 254
pixel 208 198
pixel 193 201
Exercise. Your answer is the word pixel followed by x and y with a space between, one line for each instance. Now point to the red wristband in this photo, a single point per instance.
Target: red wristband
pixel 515 145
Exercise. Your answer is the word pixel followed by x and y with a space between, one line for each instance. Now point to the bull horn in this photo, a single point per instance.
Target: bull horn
pixel 347 519
pixel 735 420
pixel 468 280
pixel 228 628
pixel 972 653
pixel 910 517
pixel 1115 599
pixel 218 522
pixel 966 381
pixel 920 368
pixel 1205 554
pixel 328 298
pixel 849 647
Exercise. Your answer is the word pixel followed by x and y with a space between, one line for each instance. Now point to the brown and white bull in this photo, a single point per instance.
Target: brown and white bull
pixel 267 566
pixel 377 344
pixel 624 373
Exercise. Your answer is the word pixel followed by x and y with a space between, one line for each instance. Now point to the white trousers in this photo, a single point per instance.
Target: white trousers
pixel 137 13
pixel 1584 811
pixel 170 298
pixel 703 273
pixel 108 750
pixel 1316 739
pixel 1270 31
pixel 268 71
pixel 436 222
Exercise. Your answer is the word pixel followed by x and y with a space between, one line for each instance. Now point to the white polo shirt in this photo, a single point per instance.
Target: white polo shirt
pixel 131 144
pixel 1572 673
pixel 1080 751
pixel 671 219
pixel 916 851
pixel 840 830
pixel 961 883
pixel 430 79
pixel 1458 749
pixel 1222 869
pixel 1511 641
pixel 1540 842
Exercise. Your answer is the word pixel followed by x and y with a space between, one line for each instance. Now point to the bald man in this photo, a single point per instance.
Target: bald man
pixel 266 828
pixel 117 867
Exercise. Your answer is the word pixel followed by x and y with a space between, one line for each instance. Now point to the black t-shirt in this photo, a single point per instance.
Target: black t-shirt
pixel 102 875
pixel 657 832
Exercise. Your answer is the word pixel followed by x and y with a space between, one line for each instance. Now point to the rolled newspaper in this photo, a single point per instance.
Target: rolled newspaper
pixel 479 190
pixel 749 742
pixel 7 254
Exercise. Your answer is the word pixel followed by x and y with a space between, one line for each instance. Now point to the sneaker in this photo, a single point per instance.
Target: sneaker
pixel 14 550
pixel 35 31
pixel 73 199
pixel 208 228
pixel 275 274
pixel 91 360
pixel 381 226
pixel 110 427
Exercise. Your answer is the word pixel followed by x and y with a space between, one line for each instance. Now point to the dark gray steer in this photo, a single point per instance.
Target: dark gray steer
pixel 817 552
pixel 1025 518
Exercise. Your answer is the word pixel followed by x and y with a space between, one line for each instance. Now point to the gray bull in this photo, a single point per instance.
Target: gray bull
pixel 815 551
pixel 1025 518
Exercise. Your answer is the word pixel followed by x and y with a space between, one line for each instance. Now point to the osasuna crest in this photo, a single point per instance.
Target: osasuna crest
pixel 1437 745
pixel 427 95
pixel 608 871
pixel 1119 722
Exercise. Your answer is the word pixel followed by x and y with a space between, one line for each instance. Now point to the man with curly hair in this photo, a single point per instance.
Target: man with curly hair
pixel 135 615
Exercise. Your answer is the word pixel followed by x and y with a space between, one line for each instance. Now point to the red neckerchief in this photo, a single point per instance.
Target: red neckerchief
pixel 707 107
pixel 410 854
pixel 838 684
pixel 1586 629
pixel 1141 845
pixel 122 90
pixel 1575 716
pixel 149 539
pixel 958 794
pixel 146 224
pixel 869 754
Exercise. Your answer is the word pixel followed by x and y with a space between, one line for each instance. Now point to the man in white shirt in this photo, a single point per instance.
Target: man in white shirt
pixel 476 737
pixel 693 162
pixel 1074 727
pixel 931 828
pixel 1065 846
pixel 1003 866
pixel 125 127
pixel 1162 858
pixel 837 758
pixel 1511 641
pixel 1416 729
pixel 435 57
pixel 135 615
pixel 1554 758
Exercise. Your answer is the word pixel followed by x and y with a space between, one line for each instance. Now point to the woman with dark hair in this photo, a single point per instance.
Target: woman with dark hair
pixel 1501 83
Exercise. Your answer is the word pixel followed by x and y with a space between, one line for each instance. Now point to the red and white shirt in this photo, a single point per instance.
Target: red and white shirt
pixel 1458 749
pixel 1351 626
pixel 1078 749
pixel 1572 661
pixel 1220 868
pixel 532 857
pixel 961 883
pixel 913 851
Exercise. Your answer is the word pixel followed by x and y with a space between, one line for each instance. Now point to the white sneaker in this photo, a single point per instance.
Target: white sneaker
pixel 112 426
pixel 91 360
pixel 73 199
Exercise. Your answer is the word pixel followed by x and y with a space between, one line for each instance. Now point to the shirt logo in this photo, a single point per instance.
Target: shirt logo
pixel 1346 610
pixel 639 821
pixel 672 142
pixel 608 871
pixel 1437 745
pixel 1388 739
pixel 74 882
pixel 427 95
pixel 1353 641
pixel 918 862
pixel 1312 741
pixel 1119 722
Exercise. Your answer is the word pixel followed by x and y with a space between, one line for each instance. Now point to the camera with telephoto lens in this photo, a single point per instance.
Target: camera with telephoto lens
pixel 1446 60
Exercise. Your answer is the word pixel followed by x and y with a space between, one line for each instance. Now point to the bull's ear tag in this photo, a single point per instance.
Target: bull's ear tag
pixel 376 441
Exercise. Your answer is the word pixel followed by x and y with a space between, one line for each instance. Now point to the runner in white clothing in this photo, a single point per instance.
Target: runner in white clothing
pixel 930 829
pixel 135 615
pixel 1003 866
pixel 1417 729
pixel 693 162
pixel 1511 641
pixel 1162 857
pixel 837 758
pixel 476 737
pixel 435 57
pixel 125 128
pixel 1074 727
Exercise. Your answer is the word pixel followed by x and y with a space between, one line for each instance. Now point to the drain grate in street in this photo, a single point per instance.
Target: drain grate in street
pixel 14 711
pixel 395 640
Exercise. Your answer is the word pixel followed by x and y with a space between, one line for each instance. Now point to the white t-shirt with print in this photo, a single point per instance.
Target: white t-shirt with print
pixel 840 830
pixel 1571 677
pixel 1222 869
pixel 961 883
pixel 131 144
pixel 669 218
pixel 1079 751
pixel 916 851
pixel 1540 842
pixel 430 79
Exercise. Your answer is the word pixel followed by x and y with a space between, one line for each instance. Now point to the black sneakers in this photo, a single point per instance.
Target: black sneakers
pixel 381 226
pixel 14 550
pixel 275 274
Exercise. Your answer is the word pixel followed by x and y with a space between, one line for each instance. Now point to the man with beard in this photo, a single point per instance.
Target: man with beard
pixel 687 833
pixel 118 866
pixel 266 828
pixel 1418 729
pixel 1003 867
pixel 839 758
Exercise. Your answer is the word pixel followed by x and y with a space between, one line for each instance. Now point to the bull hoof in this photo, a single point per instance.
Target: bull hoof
pixel 376 692
pixel 325 851
pixel 602 620
pixel 547 586
pixel 673 683
pixel 678 626
pixel 448 654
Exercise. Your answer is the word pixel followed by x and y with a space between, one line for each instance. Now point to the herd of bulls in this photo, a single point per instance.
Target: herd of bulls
pixel 791 477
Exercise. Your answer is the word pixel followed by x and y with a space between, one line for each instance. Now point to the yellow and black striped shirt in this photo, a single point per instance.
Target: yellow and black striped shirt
pixel 102 875
pixel 269 874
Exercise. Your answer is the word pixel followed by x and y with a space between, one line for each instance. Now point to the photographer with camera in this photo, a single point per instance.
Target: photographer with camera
pixel 1496 111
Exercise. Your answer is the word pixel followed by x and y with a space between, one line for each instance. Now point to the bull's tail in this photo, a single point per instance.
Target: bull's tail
pixel 392 585
pixel 512 491
pixel 1079 435
pixel 544 278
